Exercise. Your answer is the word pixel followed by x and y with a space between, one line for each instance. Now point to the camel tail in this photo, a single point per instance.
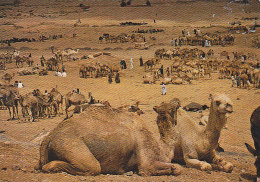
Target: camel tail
pixel 44 152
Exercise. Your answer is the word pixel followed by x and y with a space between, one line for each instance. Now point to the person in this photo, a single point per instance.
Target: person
pixel 144 39
pixel 233 80
pixel 172 42
pixel 63 68
pixel 78 91
pixel 117 79
pixel 180 42
pixel 42 59
pixel 16 84
pixel 195 31
pixel 110 78
pixel 20 84
pixel 238 80
pixel 161 70
pixel 131 63
pixel 163 89
pixel 141 61
pixel 45 92
pixel 176 42
pixel 168 71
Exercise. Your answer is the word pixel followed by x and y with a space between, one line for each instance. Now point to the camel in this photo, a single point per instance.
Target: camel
pixel 30 106
pixel 255 131
pixel 57 99
pixel 109 141
pixel 196 147
pixel 74 98
pixel 8 77
pixel 9 97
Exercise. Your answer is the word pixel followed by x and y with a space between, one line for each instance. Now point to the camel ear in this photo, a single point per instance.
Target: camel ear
pixel 210 97
pixel 251 149
pixel 155 108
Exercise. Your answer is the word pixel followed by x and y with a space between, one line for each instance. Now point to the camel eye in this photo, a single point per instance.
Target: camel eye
pixel 218 103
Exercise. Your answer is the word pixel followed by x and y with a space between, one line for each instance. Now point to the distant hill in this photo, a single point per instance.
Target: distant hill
pixel 9 2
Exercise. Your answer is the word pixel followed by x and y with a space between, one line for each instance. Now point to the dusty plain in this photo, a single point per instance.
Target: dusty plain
pixel 34 18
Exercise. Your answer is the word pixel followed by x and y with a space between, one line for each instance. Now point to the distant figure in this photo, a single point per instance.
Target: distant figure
pixel 180 42
pixel 16 84
pixel 110 78
pixel 161 70
pixel 176 42
pixel 141 61
pixel 144 39
pixel 154 21
pixel 163 89
pixel 63 68
pixel 195 31
pixel 20 84
pixel 172 42
pixel 42 59
pixel 45 92
pixel 123 64
pixel 233 81
pixel 131 63
pixel 78 91
pixel 117 79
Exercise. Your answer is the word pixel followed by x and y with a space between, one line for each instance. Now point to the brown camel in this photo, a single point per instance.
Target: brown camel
pixel 30 106
pixel 74 98
pixel 109 141
pixel 196 146
pixel 9 97
pixel 8 77
pixel 57 100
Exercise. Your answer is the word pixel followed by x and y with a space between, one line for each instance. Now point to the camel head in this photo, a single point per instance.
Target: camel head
pixel 167 113
pixel 221 103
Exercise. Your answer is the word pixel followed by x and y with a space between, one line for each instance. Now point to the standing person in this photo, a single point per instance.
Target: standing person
pixel 176 42
pixel 233 80
pixel 110 78
pixel 117 79
pixel 172 42
pixel 144 39
pixel 42 59
pixel 195 31
pixel 163 89
pixel 131 63
pixel 141 61
pixel 179 42
pixel 161 70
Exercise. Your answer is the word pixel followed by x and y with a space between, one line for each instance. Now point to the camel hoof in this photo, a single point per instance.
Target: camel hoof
pixel 206 167
pixel 228 167
pixel 177 169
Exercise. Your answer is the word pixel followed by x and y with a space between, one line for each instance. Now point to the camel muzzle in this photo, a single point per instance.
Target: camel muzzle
pixel 229 109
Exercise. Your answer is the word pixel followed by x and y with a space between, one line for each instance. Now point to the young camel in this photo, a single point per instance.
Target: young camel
pixel 197 146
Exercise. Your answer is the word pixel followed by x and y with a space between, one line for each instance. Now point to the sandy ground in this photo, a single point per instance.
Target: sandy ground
pixel 17 159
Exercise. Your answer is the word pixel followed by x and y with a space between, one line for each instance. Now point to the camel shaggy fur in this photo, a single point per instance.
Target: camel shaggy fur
pixel 108 141
pixel 196 146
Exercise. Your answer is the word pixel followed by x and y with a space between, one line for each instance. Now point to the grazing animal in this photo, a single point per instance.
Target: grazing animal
pixel 255 131
pixel 107 141
pixel 196 147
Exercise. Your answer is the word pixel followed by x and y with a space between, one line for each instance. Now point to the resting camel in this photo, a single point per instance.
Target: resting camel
pixel 74 98
pixel 196 146
pixel 8 77
pixel 109 141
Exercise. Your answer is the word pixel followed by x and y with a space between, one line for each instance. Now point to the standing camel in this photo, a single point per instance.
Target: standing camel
pixel 9 96
pixel 57 100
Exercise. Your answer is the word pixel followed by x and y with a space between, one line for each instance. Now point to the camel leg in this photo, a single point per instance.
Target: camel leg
pixel 161 168
pixel 80 161
pixel 10 114
pixel 195 163
pixel 220 164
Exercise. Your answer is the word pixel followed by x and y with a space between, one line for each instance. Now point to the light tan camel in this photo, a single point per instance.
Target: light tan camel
pixel 74 98
pixel 57 100
pixel 196 146
pixel 108 141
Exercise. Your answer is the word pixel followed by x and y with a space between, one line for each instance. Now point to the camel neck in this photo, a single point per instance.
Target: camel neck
pixel 215 124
